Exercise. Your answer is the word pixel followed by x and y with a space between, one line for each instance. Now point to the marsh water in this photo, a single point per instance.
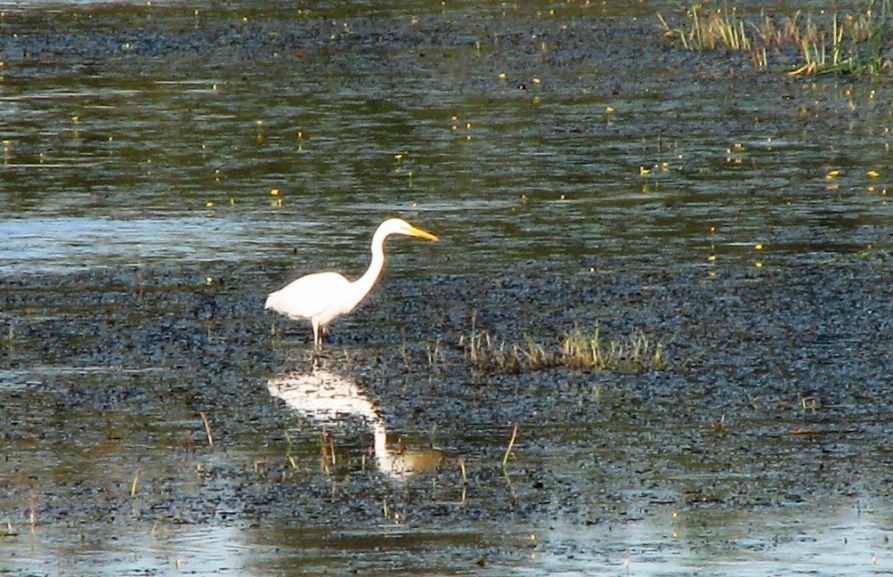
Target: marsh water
pixel 166 165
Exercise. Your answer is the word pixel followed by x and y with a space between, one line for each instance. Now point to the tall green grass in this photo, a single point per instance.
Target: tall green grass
pixel 842 43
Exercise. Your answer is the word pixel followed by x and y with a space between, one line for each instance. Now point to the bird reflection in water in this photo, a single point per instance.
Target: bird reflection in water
pixel 327 397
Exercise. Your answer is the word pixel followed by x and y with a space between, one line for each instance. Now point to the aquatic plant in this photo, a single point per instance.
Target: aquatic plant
pixel 635 353
pixel 508 450
pixel 207 425
pixel 435 354
pixel 134 484
pixel 720 28
pixel 327 453
pixel 857 43
pixel 854 45
pixel 578 349
pixel 289 451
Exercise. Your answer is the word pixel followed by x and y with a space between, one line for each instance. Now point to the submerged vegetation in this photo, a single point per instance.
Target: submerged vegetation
pixel 859 43
pixel 578 349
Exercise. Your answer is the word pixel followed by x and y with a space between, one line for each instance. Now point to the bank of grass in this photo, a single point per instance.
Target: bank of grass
pixel 578 349
pixel 840 43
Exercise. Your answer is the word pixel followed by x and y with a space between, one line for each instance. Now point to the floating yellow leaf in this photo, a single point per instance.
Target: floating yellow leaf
pixel 643 171
pixel 609 109
pixel 872 174
pixel 398 157
pixel 209 204
pixel 758 246
pixel 274 192
pixel 536 80
pixel 832 174
pixel 711 258
pixel 758 264
pixel 503 75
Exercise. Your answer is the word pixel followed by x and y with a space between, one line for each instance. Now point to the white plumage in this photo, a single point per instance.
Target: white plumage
pixel 322 297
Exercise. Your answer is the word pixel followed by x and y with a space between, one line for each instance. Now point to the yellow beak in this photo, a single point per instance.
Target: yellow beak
pixel 421 233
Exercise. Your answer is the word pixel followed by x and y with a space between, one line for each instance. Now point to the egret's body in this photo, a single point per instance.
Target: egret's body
pixel 322 297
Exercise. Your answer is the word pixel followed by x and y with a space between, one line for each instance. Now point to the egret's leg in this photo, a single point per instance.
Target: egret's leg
pixel 317 343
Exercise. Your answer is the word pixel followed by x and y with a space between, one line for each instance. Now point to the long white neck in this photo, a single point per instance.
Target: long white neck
pixel 361 287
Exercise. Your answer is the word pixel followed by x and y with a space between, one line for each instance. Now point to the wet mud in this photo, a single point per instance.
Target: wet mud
pixel 774 396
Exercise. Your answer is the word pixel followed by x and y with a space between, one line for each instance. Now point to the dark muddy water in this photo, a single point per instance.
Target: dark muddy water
pixel 579 173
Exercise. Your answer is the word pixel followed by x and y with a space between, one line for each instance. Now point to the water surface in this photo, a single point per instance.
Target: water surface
pixel 165 166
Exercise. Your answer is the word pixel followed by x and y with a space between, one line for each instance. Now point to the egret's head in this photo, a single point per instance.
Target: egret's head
pixel 400 226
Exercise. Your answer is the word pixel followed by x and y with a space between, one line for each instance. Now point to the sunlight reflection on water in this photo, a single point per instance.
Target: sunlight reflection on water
pixel 844 541
pixel 60 244
pixel 840 542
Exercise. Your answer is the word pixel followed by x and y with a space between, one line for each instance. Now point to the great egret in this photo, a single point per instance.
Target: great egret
pixel 324 296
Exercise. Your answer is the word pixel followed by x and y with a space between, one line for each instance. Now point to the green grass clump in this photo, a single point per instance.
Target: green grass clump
pixel 711 30
pixel 633 354
pixel 577 349
pixel 485 353
pixel 857 43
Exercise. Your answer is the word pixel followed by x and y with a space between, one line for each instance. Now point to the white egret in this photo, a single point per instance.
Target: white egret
pixel 324 296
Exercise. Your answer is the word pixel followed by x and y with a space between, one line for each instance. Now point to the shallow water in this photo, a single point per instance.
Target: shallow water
pixel 164 112
pixel 605 180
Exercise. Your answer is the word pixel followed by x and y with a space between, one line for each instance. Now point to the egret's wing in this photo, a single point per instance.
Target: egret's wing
pixel 309 296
